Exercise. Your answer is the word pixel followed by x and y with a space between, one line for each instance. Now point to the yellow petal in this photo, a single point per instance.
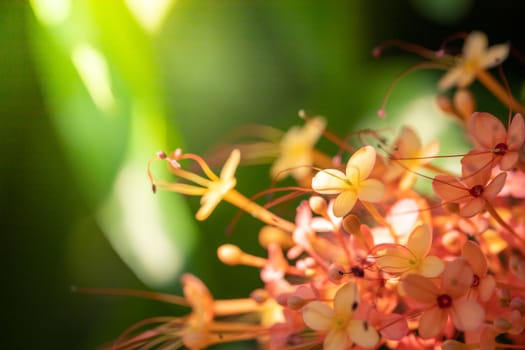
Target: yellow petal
pixel 371 190
pixel 344 202
pixel 364 160
pixel 318 316
pixel 346 300
pixel 494 55
pixel 337 339
pixel 432 322
pixel 467 314
pixel 329 181
pixel 420 241
pixel 363 334
pixel 475 45
pixel 395 260
pixel 228 170
pixel 431 266
pixel 450 78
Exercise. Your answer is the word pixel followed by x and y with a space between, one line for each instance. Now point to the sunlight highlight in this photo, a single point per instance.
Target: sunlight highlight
pixel 51 12
pixel 150 13
pixel 94 72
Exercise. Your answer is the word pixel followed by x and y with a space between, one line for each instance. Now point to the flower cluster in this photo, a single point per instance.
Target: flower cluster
pixel 367 261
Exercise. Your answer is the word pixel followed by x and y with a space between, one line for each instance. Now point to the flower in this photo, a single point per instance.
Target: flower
pixel 448 300
pixel 501 146
pixel 476 56
pixel 341 329
pixel 352 185
pixel 296 150
pixel 412 258
pixel 471 191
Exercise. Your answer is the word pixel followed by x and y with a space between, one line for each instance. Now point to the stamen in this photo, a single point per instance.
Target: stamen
pixel 444 301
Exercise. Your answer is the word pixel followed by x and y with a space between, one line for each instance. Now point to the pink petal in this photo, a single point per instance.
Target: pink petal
pixel 318 316
pixel 432 322
pixel 420 288
pixel 346 300
pixel 363 159
pixel 487 130
pixel 450 189
pixel 393 326
pixel 329 181
pixel 516 133
pixel 420 241
pixel 457 278
pixel 475 206
pixel 363 334
pixel 486 287
pixel 509 160
pixel 371 190
pixel 344 202
pixel 467 314
pixel 495 186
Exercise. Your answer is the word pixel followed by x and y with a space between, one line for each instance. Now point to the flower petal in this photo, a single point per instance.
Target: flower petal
pixel 475 257
pixel 449 189
pixel 475 206
pixel 420 288
pixel 337 339
pixel 450 78
pixel 420 241
pixel 467 314
pixel 394 259
pixel 329 181
pixel 494 55
pixel 371 190
pixel 475 45
pixel 363 334
pixel 363 159
pixel 431 266
pixel 457 278
pixel 486 287
pixel 516 133
pixel 486 129
pixel 228 170
pixel 346 300
pixel 318 316
pixel 432 322
pixel 344 202
pixel 495 186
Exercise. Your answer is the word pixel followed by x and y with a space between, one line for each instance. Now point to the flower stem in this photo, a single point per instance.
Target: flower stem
pixel 502 222
pixel 499 91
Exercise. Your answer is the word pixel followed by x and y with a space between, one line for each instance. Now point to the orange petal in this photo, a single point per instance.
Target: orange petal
pixel 432 322
pixel 467 314
pixel 449 189
pixel 509 160
pixel 475 206
pixel 420 288
pixel 457 278
pixel 495 186
pixel 344 202
pixel 364 160
pixel 363 334
pixel 486 287
pixel 475 257
pixel 318 316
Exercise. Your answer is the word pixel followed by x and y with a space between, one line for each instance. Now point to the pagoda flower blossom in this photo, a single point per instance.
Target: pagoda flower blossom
pixel 447 300
pixel 408 156
pixel 336 322
pixel 214 188
pixel 473 191
pixel 199 329
pixel 412 257
pixel 494 144
pixel 297 151
pixel 352 185
pixel 476 57
pixel 482 283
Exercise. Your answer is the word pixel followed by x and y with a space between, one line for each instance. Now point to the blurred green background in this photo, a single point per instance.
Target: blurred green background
pixel 91 89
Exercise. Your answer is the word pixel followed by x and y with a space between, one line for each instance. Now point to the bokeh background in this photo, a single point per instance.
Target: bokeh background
pixel 91 89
